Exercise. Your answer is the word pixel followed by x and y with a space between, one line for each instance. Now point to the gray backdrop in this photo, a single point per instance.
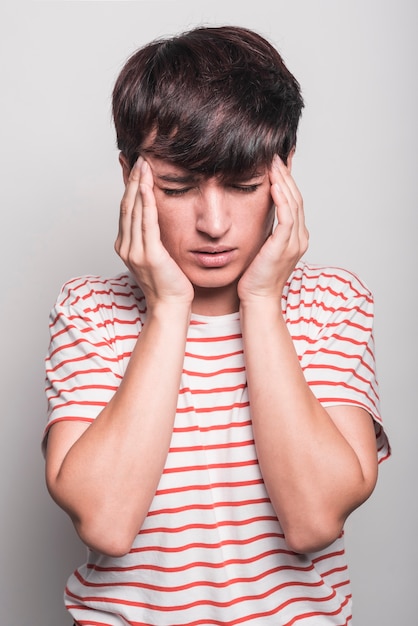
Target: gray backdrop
pixel 60 190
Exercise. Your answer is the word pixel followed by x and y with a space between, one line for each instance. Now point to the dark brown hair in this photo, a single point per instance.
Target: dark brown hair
pixel 214 100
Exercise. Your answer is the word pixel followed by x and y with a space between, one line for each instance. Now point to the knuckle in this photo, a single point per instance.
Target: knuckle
pixel 133 258
pixel 123 254
pixel 290 227
pixel 124 207
pixel 135 214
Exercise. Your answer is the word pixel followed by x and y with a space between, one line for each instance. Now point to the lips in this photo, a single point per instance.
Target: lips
pixel 214 256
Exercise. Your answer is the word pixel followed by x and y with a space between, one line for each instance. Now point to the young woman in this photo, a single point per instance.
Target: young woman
pixel 213 411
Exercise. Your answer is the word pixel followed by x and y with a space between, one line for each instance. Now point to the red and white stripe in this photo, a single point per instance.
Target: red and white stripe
pixel 211 550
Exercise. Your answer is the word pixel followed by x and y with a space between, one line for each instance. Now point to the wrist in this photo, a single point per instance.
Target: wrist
pixel 169 308
pixel 258 303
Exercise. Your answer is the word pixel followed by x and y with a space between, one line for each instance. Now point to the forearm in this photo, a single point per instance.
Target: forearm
pixel 313 475
pixel 109 476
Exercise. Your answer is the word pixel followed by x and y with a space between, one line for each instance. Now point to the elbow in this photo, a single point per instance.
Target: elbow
pixel 114 543
pixel 318 529
pixel 313 537
pixel 96 526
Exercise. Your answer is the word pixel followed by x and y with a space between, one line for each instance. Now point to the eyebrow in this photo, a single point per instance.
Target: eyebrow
pixel 188 178
pixel 181 179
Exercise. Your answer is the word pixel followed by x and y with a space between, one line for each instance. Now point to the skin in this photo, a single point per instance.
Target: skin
pixel 232 221
pixel 198 245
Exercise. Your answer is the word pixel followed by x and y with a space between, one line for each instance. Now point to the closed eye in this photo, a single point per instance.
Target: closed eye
pixel 246 188
pixel 175 192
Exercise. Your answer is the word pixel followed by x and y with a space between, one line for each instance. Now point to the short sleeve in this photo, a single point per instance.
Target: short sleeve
pixel 93 328
pixel 330 314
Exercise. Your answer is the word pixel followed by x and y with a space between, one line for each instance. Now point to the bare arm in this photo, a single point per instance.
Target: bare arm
pixel 318 465
pixel 105 475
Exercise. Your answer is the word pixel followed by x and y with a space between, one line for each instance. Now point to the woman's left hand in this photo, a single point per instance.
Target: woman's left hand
pixel 266 276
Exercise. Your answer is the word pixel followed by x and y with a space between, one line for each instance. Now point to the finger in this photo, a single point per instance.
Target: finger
pixel 284 233
pixel 145 221
pixel 290 182
pixel 123 240
pixel 284 212
pixel 280 174
pixel 288 229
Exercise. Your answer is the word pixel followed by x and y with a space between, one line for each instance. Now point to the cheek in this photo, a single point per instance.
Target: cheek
pixel 172 224
pixel 267 220
pixel 257 221
pixel 166 225
pixel 166 214
pixel 169 233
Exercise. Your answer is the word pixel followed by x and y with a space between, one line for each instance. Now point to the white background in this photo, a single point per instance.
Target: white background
pixel 356 165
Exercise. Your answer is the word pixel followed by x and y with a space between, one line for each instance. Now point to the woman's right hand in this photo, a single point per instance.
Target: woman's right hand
pixel 139 244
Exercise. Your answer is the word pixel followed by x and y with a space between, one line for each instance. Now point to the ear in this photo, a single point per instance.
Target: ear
pixel 126 169
pixel 290 158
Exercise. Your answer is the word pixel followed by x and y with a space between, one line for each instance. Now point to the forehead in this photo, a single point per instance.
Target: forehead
pixel 168 171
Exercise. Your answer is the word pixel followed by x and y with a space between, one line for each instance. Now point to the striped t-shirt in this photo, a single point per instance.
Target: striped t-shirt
pixel 211 550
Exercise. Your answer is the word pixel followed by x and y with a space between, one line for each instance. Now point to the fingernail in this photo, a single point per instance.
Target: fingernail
pixel 139 162
pixel 144 166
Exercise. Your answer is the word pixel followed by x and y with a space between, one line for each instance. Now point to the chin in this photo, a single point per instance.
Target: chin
pixel 214 280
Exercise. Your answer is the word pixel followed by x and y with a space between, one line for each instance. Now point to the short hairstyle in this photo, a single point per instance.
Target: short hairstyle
pixel 218 101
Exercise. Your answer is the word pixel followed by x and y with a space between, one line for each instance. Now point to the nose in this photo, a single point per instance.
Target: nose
pixel 213 215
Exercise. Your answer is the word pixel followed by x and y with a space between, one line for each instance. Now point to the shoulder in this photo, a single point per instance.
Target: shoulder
pixel 112 304
pixel 84 293
pixel 310 281
pixel 320 297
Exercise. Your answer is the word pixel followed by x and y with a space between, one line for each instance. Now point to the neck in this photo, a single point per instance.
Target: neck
pixel 217 301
